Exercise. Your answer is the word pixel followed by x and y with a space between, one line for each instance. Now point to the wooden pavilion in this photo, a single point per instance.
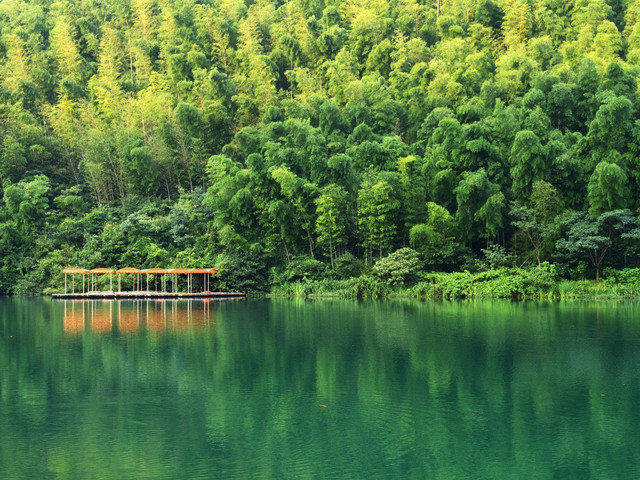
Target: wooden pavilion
pixel 167 276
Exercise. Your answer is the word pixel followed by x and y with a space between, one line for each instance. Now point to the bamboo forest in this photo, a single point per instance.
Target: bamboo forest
pixel 447 147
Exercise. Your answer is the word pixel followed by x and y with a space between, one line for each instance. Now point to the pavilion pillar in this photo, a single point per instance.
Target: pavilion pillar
pixel 65 283
pixel 73 283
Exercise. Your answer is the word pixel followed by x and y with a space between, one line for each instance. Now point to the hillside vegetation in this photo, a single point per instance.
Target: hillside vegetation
pixel 307 140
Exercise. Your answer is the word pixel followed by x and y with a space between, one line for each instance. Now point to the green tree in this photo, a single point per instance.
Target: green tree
pixel 610 129
pixel 480 205
pixel 27 204
pixel 608 189
pixel 537 221
pixel 331 221
pixel 302 195
pixel 595 236
pixel 434 240
pixel 142 171
pixel 528 163
pixel 13 160
pixel 490 215
pixel 377 207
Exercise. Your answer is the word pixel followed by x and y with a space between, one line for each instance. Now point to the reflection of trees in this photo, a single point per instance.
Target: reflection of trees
pixel 412 390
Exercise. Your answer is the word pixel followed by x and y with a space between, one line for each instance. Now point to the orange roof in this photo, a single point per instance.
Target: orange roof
pixel 155 270
pixel 75 270
pixel 199 270
pixel 181 271
pixel 128 270
pixel 101 270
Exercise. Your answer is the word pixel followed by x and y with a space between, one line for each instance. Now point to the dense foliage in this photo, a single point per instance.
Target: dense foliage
pixel 265 137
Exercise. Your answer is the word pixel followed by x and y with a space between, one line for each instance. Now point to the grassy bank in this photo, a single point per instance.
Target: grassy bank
pixel 497 283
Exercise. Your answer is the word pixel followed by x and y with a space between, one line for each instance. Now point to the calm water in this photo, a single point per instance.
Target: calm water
pixel 326 389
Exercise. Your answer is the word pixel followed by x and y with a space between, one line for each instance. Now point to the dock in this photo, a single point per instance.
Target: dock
pixel 146 294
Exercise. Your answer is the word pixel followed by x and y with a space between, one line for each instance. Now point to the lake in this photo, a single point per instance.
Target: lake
pixel 331 389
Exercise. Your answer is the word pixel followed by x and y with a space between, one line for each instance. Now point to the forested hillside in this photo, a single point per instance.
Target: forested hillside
pixel 266 137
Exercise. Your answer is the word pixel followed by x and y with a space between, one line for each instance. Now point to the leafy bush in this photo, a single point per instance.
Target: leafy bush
pixel 242 271
pixel 305 268
pixel 496 256
pixel 315 288
pixel 369 287
pixel 626 276
pixel 399 268
pixel 588 289
pixel 347 266
pixel 496 283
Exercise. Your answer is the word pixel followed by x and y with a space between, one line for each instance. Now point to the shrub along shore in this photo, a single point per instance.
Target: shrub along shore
pixel 515 283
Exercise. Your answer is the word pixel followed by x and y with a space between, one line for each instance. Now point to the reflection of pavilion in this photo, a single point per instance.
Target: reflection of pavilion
pixel 77 314
pixel 74 318
pixel 129 317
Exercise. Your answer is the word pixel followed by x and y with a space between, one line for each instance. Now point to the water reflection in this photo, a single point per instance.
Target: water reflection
pixel 112 316
pixel 330 389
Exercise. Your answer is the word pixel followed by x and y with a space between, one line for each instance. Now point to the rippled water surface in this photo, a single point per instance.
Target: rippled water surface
pixel 319 389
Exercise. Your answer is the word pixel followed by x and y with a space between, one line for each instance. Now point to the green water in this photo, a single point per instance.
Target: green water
pixel 325 389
